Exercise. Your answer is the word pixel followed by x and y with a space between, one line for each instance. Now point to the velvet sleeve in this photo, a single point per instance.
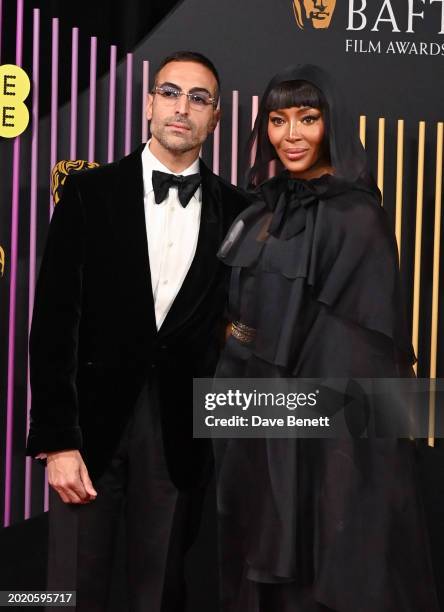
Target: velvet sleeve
pixel 54 331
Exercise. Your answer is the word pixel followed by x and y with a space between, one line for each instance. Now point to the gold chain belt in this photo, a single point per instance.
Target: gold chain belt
pixel 242 332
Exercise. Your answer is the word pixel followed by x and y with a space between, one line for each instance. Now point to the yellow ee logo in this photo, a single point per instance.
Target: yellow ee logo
pixel 14 89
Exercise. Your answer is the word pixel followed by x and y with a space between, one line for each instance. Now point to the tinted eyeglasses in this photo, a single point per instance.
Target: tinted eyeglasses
pixel 198 99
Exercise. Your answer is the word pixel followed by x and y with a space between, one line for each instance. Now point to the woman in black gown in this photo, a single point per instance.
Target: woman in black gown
pixel 333 524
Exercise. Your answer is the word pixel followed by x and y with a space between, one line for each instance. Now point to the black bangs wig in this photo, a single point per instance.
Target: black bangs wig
pixel 295 93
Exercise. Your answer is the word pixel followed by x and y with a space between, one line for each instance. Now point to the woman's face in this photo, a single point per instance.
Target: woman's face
pixel 297 134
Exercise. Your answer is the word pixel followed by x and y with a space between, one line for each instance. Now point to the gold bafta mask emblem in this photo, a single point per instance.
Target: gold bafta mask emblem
pixel 314 13
pixel 61 171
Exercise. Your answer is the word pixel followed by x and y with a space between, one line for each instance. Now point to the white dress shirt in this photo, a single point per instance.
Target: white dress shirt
pixel 172 233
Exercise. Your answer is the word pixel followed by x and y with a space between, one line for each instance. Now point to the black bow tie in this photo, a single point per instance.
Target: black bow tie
pixel 186 185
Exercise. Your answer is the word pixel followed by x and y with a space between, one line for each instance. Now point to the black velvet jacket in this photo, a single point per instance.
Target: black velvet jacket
pixel 94 340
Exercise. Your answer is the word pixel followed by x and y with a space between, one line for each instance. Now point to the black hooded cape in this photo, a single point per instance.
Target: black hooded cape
pixel 314 270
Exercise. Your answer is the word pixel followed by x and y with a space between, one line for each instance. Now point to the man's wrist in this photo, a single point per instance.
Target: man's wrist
pixel 46 455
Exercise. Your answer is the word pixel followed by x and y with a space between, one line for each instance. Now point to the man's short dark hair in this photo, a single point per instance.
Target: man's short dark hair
pixel 190 56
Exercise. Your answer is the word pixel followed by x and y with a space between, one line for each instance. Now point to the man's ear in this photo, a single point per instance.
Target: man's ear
pixel 149 106
pixel 215 120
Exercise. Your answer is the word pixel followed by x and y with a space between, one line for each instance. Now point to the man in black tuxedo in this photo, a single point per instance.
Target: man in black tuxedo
pixel 128 310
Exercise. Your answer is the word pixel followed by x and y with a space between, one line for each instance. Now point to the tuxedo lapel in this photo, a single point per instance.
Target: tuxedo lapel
pixel 205 263
pixel 128 220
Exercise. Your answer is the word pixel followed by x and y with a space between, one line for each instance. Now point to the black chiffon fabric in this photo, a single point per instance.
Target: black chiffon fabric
pixel 333 524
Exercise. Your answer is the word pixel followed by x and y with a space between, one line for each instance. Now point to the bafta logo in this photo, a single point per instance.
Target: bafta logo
pixel 315 14
pixel 61 171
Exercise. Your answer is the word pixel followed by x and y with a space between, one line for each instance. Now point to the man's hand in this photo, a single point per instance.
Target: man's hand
pixel 68 475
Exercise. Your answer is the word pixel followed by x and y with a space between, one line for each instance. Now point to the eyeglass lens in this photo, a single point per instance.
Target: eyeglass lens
pixel 198 99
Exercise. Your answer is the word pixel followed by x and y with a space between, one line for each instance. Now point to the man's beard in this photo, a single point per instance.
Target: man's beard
pixel 171 142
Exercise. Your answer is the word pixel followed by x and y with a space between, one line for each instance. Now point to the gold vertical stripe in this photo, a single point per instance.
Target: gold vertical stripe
pixel 418 237
pixel 2 261
pixel 435 282
pixel 432 412
pixel 399 181
pixel 381 142
pixel 362 128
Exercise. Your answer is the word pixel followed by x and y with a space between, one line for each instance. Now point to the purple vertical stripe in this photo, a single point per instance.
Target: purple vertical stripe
pixel 145 85
pixel 254 111
pixel 11 330
pixel 272 168
pixel 32 225
pixel 92 99
pixel 112 102
pixel 46 493
pixel 54 100
pixel 53 151
pixel 234 137
pixel 1 28
pixel 216 147
pixel 128 101
pixel 19 34
pixel 13 289
pixel 74 87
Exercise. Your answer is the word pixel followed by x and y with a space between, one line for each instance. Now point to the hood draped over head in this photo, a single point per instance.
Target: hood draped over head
pixel 347 155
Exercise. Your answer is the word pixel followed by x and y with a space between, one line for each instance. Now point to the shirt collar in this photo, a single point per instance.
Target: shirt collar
pixel 150 163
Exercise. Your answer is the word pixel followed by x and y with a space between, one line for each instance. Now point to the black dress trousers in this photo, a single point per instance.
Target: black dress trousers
pixel 160 523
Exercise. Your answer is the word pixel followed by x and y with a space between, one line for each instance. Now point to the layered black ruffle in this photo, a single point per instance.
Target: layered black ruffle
pixel 324 240
pixel 314 270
